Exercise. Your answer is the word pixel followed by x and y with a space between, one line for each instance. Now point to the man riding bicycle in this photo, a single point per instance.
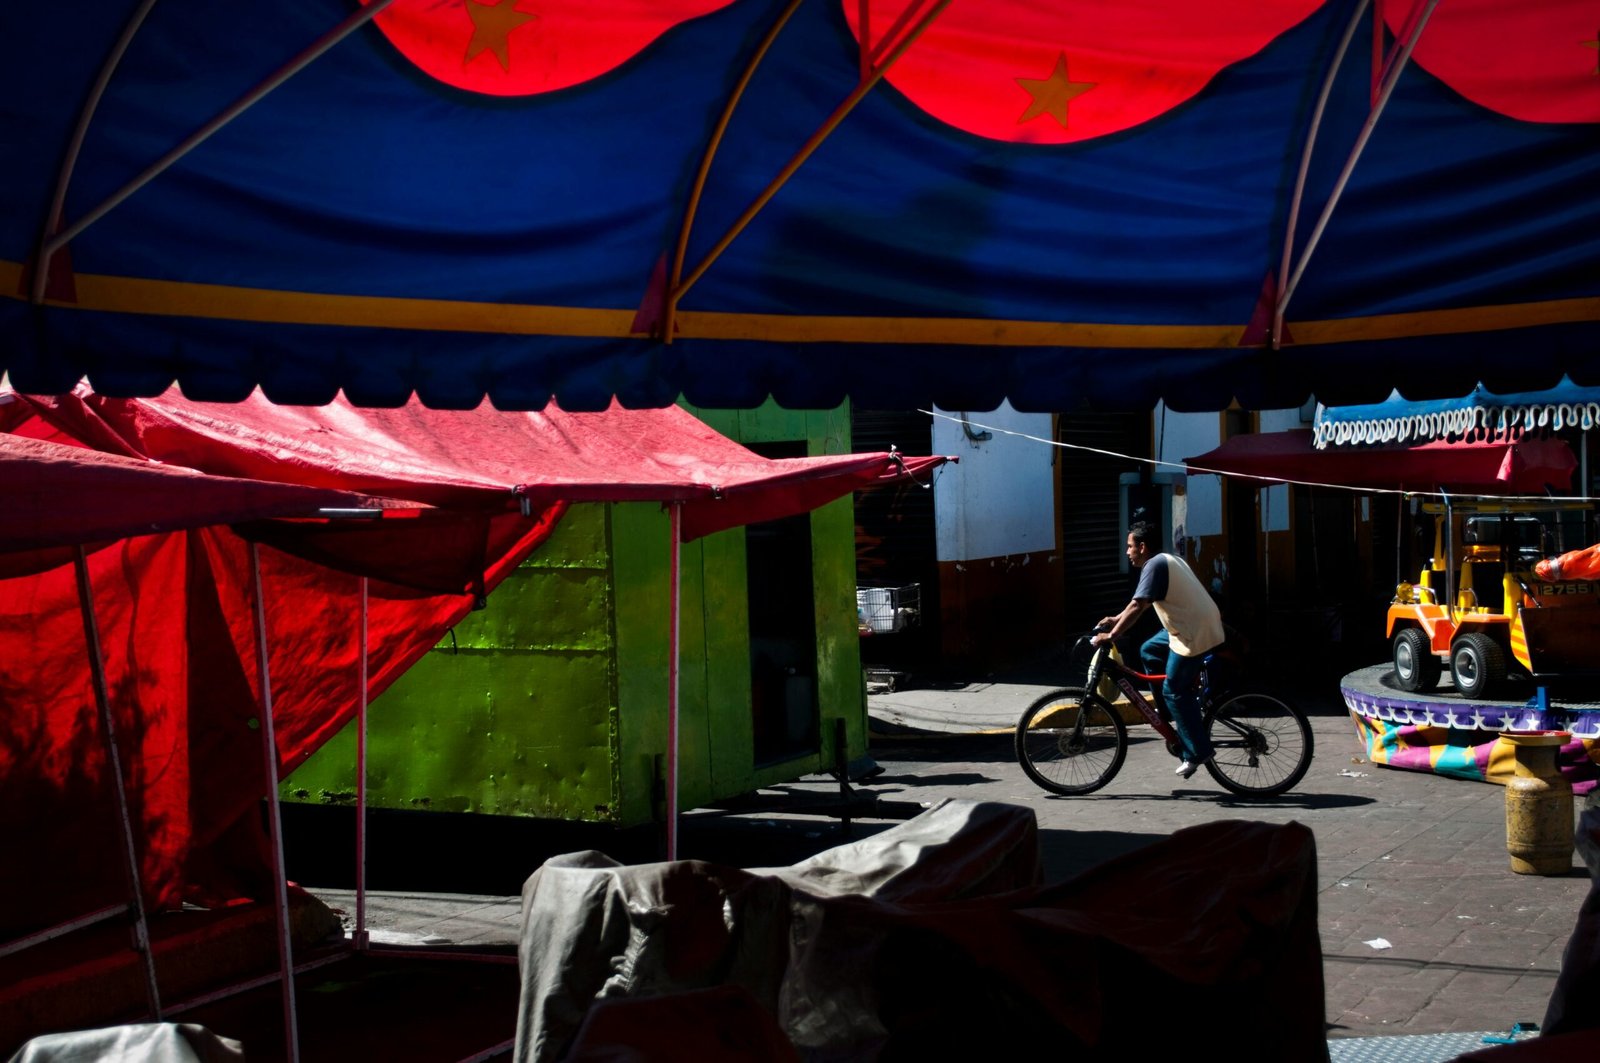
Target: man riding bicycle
pixel 1191 627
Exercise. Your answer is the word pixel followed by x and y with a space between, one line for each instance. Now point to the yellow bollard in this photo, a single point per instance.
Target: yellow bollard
pixel 1538 805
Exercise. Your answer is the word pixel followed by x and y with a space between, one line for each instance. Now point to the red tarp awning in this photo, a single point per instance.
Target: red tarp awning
pixel 482 458
pixel 1522 467
pixel 54 497
pixel 175 608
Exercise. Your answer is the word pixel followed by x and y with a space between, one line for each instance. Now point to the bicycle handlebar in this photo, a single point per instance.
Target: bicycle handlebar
pixel 1084 641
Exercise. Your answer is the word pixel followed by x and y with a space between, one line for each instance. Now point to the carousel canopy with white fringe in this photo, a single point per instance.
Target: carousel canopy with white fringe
pixel 1481 415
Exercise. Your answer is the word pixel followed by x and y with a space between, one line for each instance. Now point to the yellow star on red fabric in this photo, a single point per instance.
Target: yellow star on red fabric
pixel 491 29
pixel 1595 44
pixel 1052 94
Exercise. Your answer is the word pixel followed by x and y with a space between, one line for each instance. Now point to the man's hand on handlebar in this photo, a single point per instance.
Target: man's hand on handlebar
pixel 1102 631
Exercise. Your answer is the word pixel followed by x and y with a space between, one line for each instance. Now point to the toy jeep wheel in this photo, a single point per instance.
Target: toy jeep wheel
pixel 1415 666
pixel 1477 664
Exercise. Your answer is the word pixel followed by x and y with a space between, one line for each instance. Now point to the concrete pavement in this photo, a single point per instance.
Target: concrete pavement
pixel 1424 927
pixel 1425 930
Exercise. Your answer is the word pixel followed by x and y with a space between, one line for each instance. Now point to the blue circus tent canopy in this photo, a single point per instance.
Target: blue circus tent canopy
pixel 1480 415
pixel 727 200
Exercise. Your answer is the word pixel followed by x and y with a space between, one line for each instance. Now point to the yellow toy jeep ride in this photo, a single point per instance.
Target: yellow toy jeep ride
pixel 1482 608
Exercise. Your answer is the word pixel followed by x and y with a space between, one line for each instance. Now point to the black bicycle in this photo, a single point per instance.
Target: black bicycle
pixel 1074 740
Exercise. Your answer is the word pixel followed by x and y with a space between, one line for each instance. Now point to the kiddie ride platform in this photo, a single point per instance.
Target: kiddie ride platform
pixel 1442 732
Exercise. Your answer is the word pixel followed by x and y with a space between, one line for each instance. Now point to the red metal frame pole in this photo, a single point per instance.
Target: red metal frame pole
pixel 864 20
pixel 69 161
pixel 1305 166
pixel 1391 79
pixel 677 291
pixel 269 754
pixel 696 190
pixel 52 244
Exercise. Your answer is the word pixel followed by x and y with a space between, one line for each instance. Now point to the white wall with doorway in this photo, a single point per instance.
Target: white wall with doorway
pixel 1183 435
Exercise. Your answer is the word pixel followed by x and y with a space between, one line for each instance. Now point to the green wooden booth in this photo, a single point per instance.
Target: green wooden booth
pixel 552 701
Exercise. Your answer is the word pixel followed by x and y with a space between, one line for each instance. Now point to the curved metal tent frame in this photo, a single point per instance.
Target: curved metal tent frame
pixel 892 259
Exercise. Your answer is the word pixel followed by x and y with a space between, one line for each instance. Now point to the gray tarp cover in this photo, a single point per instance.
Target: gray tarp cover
pixel 155 1042
pixel 935 937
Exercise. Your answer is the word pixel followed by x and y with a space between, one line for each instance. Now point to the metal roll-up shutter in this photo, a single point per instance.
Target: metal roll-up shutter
pixel 1092 535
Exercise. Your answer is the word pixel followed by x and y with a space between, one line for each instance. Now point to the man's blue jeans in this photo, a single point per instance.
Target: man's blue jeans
pixel 1178 693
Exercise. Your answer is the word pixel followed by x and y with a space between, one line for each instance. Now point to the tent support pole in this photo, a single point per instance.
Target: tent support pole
pixel 1449 556
pixel 269 756
pixel 108 732
pixel 358 18
pixel 677 291
pixel 1399 539
pixel 1305 164
pixel 887 41
pixel 1264 494
pixel 864 20
pixel 1390 81
pixel 69 161
pixel 675 582
pixel 1583 463
pixel 360 938
pixel 698 188
pixel 70 926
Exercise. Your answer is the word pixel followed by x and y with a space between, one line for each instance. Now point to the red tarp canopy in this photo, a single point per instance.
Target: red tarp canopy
pixel 54 497
pixel 1521 467
pixel 175 608
pixel 482 458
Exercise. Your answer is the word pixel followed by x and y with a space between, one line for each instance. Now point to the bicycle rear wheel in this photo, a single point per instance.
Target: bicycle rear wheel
pixel 1263 745
pixel 1071 742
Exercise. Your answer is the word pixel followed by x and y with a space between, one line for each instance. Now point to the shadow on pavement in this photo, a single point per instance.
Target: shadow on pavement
pixel 1223 799
pixel 954 778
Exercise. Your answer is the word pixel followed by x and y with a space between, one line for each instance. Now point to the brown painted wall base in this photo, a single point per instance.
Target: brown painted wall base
pixel 1000 611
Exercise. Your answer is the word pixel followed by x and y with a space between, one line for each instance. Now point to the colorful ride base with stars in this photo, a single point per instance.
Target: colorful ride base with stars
pixel 1442 733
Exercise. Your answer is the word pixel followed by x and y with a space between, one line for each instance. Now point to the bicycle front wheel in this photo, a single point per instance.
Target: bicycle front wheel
pixel 1263 744
pixel 1071 742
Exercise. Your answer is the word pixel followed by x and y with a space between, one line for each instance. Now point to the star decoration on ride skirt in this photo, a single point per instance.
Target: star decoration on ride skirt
pixel 1595 44
pixel 492 24
pixel 1051 95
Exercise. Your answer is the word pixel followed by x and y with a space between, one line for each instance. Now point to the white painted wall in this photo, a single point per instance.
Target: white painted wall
pixel 1000 500
pixel 1274 501
pixel 1189 434
pixel 1184 435
pixel 1283 420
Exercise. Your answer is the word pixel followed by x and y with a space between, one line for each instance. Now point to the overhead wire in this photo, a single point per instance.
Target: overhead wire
pixel 966 419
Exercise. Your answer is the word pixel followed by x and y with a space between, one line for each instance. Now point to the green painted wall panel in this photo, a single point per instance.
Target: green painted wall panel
pixel 727 626
pixel 640 559
pixel 552 701
pixel 513 713
pixel 839 684
pixel 520 617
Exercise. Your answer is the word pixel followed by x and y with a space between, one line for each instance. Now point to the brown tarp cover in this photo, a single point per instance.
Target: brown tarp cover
pixel 934 938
